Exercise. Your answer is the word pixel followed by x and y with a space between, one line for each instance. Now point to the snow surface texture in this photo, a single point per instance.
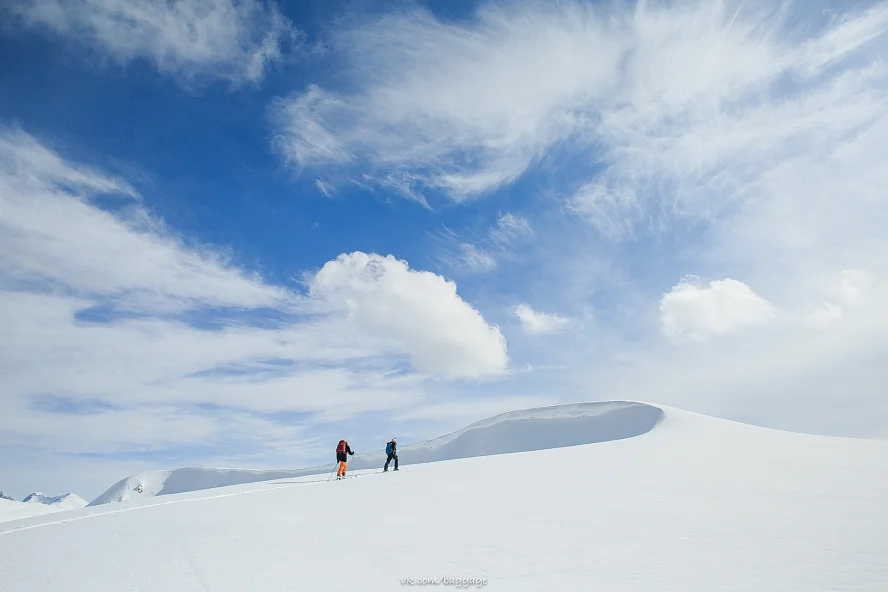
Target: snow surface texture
pixel 68 501
pixel 13 510
pixel 695 504
pixel 517 431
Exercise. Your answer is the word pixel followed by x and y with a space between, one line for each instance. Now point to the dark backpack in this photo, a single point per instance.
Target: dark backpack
pixel 340 448
pixel 388 448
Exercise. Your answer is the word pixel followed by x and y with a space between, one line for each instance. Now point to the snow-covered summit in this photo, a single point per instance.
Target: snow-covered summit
pixel 516 431
pixel 6 496
pixel 67 501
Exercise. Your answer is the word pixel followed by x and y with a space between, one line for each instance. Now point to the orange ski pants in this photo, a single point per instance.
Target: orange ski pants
pixel 341 470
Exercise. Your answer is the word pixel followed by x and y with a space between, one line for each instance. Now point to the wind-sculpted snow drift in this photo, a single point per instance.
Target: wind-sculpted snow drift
pixel 517 431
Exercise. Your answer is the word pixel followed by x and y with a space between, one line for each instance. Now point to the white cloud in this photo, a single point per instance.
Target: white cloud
pixel 539 322
pixel 697 310
pixel 476 259
pixel 675 109
pixel 481 252
pixel 459 414
pixel 325 188
pixel 853 291
pixel 51 232
pixel 510 228
pixel 699 139
pixel 304 139
pixel 235 40
pixel 32 165
pixel 419 310
pixel 854 286
pixel 464 109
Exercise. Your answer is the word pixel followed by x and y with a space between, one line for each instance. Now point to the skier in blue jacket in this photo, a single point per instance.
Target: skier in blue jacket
pixel 391 449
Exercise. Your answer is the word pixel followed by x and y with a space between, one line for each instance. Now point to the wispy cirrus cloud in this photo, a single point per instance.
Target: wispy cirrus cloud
pixel 539 323
pixel 509 229
pixel 479 252
pixel 52 232
pixel 233 40
pixel 681 105
pixel 475 259
pixel 701 138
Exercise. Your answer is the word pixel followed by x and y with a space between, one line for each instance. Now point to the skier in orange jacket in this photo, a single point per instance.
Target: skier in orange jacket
pixel 342 452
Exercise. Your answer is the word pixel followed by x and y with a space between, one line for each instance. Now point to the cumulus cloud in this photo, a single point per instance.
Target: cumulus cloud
pixel 234 40
pixel 419 310
pixel 539 322
pixel 697 310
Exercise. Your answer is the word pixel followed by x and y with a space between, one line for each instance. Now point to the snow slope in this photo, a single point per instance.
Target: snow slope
pixel 37 504
pixel 516 431
pixel 13 510
pixel 68 501
pixel 695 504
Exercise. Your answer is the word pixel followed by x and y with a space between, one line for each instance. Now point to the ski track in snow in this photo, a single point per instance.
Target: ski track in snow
pixel 105 510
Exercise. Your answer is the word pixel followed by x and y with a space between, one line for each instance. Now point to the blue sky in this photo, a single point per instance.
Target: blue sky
pixel 233 233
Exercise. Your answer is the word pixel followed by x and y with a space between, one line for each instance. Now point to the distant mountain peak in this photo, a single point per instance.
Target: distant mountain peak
pixel 68 501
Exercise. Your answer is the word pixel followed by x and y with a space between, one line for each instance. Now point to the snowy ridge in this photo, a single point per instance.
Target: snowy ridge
pixel 516 431
pixel 37 504
pixel 68 501
pixel 539 428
